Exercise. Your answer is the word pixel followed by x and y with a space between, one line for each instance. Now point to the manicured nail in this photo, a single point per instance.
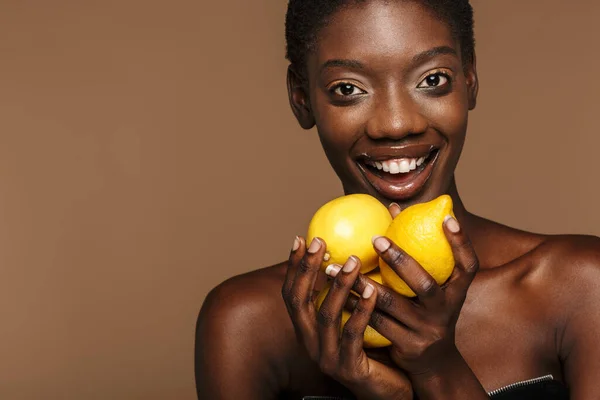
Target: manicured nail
pixel 332 270
pixel 350 265
pixel 381 243
pixel 368 292
pixel 315 245
pixel 296 244
pixel 394 209
pixel 327 257
pixel 452 224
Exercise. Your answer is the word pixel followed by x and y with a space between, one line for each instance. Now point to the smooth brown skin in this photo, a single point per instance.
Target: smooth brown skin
pixel 533 307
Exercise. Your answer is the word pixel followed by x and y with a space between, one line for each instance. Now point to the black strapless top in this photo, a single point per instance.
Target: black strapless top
pixel 543 388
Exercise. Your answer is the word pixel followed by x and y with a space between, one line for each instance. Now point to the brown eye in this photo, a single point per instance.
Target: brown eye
pixel 434 80
pixel 346 89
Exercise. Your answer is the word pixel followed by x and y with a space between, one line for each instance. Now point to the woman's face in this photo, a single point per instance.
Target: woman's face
pixel 390 98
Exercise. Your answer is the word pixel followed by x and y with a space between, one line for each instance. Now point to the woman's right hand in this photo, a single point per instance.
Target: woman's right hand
pixel 341 357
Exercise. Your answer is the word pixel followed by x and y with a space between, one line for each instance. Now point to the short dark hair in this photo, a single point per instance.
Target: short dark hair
pixel 305 18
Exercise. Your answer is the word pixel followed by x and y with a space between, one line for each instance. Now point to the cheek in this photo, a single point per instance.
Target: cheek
pixel 449 116
pixel 339 127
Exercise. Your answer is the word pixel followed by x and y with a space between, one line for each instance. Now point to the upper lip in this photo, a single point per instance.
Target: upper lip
pixel 396 152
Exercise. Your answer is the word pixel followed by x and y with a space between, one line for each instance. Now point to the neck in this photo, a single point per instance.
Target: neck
pixel 478 230
pixel 458 207
pixel 467 220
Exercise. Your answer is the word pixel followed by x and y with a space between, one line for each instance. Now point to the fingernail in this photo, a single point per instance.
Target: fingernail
pixel 394 209
pixel 368 292
pixel 332 270
pixel 350 265
pixel 381 243
pixel 296 244
pixel 315 245
pixel 327 257
pixel 452 224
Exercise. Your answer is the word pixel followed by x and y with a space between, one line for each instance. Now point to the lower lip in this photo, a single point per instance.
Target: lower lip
pixel 400 187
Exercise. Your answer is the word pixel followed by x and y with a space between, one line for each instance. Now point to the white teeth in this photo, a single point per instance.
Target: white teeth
pixel 397 166
pixel 404 166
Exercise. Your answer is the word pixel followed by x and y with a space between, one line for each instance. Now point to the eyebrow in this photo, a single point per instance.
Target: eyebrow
pixel 431 53
pixel 342 63
pixel 418 59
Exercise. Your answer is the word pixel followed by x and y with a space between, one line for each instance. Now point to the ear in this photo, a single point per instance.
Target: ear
pixel 299 99
pixel 472 82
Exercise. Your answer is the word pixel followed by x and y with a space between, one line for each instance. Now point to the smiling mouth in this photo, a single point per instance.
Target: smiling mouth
pixel 399 178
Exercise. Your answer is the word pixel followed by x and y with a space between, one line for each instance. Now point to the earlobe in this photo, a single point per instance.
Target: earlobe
pixel 299 99
pixel 472 83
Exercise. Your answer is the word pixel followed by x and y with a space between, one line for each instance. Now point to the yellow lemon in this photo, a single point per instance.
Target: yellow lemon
pixel 418 230
pixel 347 225
pixel 371 338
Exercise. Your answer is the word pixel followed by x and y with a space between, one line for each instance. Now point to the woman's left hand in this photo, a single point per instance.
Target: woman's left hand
pixel 422 330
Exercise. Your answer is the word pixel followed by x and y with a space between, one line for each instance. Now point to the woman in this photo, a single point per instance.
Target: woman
pixel 387 83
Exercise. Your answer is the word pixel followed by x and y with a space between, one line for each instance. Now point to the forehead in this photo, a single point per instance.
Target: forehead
pixel 381 31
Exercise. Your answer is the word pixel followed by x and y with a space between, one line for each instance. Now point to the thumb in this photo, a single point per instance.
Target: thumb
pixel 394 209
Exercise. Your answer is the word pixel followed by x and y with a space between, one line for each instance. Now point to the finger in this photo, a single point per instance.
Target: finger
pixel 393 329
pixel 395 305
pixel 351 346
pixel 299 300
pixel 330 314
pixel 466 261
pixel 419 280
pixel 307 271
pixel 296 254
pixel 394 209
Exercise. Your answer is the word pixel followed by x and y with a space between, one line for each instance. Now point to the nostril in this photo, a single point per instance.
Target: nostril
pixel 396 126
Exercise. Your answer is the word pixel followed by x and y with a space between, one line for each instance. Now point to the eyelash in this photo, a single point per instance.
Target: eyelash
pixel 333 89
pixel 442 74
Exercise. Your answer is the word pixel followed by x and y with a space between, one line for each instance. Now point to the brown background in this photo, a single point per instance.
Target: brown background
pixel 147 153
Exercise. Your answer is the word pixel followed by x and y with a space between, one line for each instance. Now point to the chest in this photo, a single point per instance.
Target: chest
pixel 506 332
pixel 508 338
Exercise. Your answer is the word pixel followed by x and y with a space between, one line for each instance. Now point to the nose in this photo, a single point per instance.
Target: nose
pixel 396 115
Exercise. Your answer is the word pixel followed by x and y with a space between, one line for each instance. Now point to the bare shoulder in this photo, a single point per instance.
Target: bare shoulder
pixel 562 271
pixel 565 271
pixel 573 268
pixel 244 338
pixel 247 304
pixel 257 285
pixel 570 257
